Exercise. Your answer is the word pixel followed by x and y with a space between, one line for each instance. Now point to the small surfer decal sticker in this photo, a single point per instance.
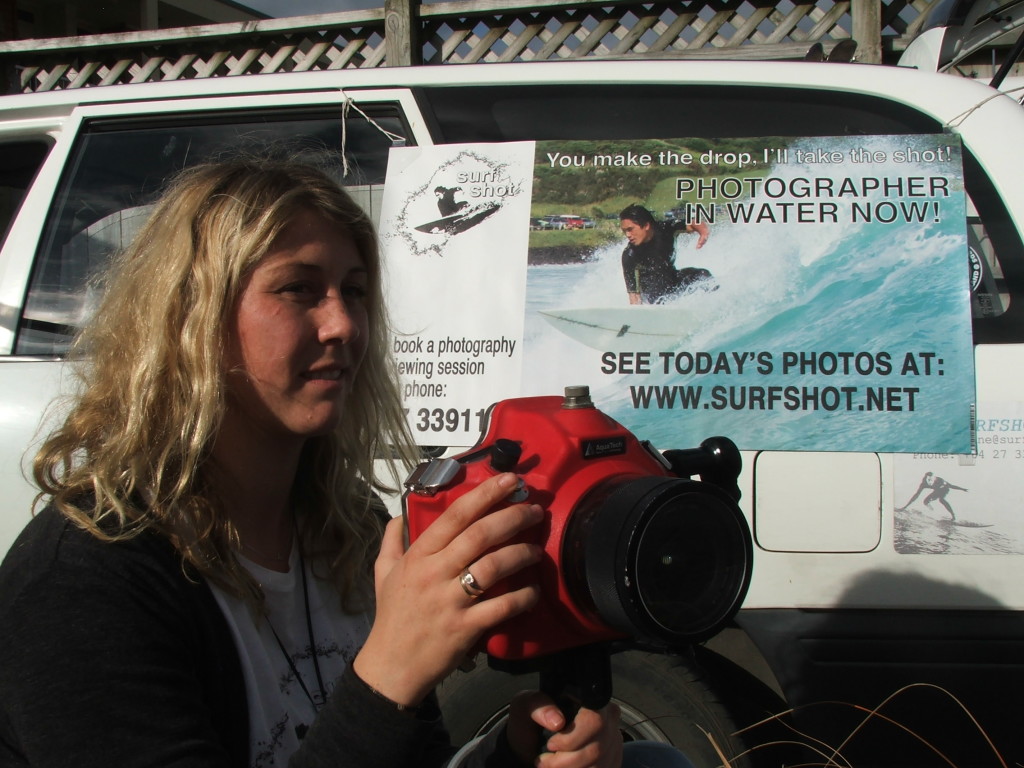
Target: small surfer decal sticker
pixel 954 504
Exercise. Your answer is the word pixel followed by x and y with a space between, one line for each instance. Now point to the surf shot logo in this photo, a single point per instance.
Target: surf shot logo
pixel 461 195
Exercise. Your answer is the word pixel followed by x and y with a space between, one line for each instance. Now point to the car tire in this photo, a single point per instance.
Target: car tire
pixel 662 698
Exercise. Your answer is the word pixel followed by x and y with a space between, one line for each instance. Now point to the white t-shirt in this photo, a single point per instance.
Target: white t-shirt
pixel 280 710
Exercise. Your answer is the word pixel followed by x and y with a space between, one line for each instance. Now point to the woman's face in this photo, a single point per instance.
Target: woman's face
pixel 299 332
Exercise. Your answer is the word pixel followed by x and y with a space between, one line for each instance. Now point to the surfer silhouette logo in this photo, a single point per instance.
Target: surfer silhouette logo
pixel 939 488
pixel 446 202
pixel 456 215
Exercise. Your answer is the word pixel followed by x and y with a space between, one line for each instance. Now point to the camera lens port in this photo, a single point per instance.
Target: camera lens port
pixel 664 560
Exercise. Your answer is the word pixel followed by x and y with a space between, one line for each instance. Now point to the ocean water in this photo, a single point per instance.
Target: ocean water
pixel 920 531
pixel 855 287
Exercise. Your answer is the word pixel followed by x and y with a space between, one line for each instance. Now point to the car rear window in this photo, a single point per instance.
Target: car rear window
pixel 120 165
pixel 19 161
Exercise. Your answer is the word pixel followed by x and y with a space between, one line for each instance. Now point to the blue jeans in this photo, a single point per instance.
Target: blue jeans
pixel 653 754
pixel 635 754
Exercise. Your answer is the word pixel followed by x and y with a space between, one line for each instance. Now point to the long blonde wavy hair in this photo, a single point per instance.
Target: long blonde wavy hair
pixel 132 454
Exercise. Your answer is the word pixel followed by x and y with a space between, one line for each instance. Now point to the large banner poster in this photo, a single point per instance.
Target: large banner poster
pixel 792 294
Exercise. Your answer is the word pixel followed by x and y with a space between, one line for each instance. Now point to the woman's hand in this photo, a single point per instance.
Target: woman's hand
pixel 591 739
pixel 426 623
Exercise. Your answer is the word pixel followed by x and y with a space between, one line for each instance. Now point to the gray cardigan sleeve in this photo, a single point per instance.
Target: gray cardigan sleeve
pixel 360 729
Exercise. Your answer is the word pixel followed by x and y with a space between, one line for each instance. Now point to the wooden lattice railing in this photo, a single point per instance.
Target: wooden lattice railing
pixel 468 31
pixel 754 29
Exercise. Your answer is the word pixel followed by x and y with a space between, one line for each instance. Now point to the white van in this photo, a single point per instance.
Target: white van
pixel 840 613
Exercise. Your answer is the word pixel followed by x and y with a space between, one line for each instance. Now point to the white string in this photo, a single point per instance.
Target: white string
pixel 964 115
pixel 347 105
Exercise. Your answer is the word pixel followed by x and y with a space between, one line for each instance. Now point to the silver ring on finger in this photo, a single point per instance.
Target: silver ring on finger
pixel 470 585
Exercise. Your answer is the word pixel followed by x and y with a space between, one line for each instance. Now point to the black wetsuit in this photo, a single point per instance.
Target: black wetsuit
pixel 446 202
pixel 649 268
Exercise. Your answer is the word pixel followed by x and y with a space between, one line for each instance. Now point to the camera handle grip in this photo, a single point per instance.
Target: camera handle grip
pixel 578 677
pixel 717 461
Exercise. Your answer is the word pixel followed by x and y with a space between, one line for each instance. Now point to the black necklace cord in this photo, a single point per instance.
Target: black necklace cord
pixel 312 645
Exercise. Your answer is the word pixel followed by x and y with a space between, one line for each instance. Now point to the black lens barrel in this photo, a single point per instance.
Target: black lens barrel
pixel 664 560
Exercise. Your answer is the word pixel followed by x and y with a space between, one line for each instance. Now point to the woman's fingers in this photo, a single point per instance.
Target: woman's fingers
pixel 478 531
pixel 392 547
pixel 425 615
pixel 466 510
pixel 498 525
pixel 591 739
pixel 492 611
pixel 490 569
pixel 472 533
pixel 593 735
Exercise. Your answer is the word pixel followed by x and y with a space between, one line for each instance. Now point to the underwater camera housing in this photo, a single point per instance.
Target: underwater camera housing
pixel 634 548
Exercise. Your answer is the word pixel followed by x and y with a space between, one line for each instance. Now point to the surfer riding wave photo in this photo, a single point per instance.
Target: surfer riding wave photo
pixel 648 260
pixel 780 287
pixel 939 488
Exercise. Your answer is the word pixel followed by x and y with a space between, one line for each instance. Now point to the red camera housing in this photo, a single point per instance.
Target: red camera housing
pixel 604 492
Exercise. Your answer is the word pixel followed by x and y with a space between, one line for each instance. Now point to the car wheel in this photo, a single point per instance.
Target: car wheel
pixel 662 698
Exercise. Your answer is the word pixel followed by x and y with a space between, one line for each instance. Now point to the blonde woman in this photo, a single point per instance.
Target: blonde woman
pixel 211 582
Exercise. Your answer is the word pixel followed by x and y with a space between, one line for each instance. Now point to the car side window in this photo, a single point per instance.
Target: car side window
pixel 19 162
pixel 119 166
